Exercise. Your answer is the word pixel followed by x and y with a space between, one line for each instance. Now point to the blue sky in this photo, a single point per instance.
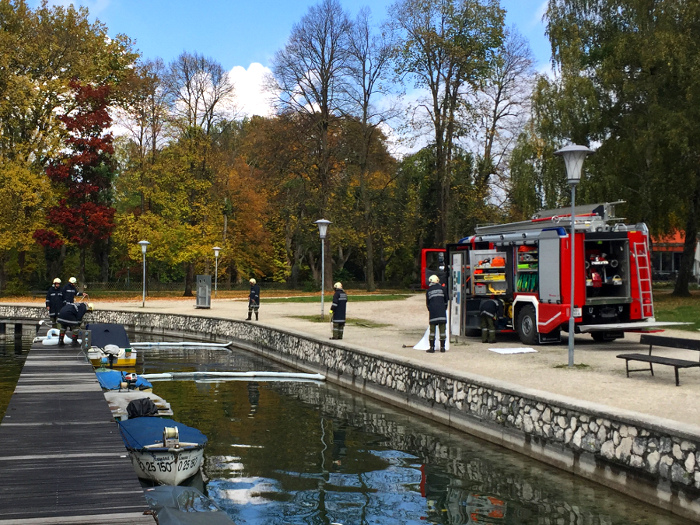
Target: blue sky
pixel 243 35
pixel 240 32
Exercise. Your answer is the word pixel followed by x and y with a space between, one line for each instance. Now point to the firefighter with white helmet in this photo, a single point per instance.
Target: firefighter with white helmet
pixel 54 300
pixel 70 292
pixel 253 299
pixel 436 301
pixel 338 308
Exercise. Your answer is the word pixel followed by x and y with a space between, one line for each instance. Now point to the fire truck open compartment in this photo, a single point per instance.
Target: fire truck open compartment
pixel 606 259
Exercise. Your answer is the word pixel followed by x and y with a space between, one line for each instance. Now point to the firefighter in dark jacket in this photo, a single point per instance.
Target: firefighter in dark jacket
pixel 253 299
pixel 69 318
pixel 70 292
pixel 436 301
pixel 54 300
pixel 490 311
pixel 340 301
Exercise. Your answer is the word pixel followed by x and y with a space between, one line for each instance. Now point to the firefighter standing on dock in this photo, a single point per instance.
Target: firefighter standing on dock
pixel 70 292
pixel 54 300
pixel 436 300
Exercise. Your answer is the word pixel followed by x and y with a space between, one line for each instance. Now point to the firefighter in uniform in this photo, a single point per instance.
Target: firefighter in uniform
pixel 69 318
pixel 253 299
pixel 491 309
pixel 54 300
pixel 436 300
pixel 70 292
pixel 340 300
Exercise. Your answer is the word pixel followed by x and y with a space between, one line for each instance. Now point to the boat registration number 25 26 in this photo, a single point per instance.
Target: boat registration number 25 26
pixel 162 465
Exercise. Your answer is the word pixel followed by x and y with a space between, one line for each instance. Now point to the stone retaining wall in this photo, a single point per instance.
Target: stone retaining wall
pixel 649 458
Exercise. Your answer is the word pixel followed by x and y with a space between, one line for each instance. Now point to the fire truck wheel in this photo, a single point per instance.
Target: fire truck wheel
pixel 527 325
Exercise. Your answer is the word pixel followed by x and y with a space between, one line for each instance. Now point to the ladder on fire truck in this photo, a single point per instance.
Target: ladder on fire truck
pixel 641 256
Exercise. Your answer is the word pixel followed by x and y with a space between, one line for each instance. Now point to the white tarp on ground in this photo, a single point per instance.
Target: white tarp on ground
pixel 513 350
pixel 424 343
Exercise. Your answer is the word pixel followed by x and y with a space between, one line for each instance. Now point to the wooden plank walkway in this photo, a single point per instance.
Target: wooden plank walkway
pixel 62 459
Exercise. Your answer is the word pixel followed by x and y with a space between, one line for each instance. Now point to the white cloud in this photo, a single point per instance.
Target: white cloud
pixel 251 96
pixel 538 19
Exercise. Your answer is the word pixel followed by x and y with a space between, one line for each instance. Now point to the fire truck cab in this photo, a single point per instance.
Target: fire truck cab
pixel 527 265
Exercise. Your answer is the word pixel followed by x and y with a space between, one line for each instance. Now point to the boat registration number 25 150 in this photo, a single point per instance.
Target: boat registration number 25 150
pixel 168 464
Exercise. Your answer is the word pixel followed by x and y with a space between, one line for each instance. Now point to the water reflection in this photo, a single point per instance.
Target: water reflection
pixel 300 453
pixel 14 347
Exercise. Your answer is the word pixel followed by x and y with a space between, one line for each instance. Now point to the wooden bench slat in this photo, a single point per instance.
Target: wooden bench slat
pixel 680 363
pixel 670 342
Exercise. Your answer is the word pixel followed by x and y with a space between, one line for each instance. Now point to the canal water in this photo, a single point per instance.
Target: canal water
pixel 283 452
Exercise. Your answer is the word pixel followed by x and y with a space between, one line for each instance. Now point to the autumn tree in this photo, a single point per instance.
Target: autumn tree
pixel 145 118
pixel 83 175
pixel 41 51
pixel 199 91
pixel 447 48
pixel 200 97
pixel 309 80
pixel 369 62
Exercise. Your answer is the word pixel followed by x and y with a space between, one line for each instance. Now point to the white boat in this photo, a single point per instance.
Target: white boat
pixel 163 450
pixel 112 355
pixel 110 346
pixel 118 401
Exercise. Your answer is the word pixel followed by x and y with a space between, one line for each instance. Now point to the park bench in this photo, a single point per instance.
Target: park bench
pixel 664 342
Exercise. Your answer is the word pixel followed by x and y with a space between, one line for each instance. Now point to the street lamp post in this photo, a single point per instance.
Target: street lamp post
pixel 216 267
pixel 574 156
pixel 322 229
pixel 144 247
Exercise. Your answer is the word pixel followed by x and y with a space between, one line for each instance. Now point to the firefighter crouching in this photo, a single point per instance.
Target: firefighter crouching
pixel 69 318
pixel 491 310
pixel 436 300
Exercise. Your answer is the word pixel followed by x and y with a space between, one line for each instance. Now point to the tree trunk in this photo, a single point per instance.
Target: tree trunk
pixel 369 274
pixel 682 289
pixel 189 279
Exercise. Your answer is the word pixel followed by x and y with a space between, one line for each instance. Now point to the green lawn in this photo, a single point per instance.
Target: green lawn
pixel 350 321
pixel 683 309
pixel 329 298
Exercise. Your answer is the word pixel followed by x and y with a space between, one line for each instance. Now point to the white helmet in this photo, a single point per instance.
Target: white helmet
pixel 252 281
pixel 338 285
pixel 434 279
pixel 72 280
pixel 57 281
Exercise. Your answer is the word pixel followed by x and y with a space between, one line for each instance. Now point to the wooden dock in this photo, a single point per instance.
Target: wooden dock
pixel 62 459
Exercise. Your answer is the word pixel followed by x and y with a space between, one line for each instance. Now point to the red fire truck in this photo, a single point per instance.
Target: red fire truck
pixel 528 266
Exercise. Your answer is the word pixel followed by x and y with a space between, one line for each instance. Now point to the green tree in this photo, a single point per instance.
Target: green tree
pixel 629 79
pixel 448 48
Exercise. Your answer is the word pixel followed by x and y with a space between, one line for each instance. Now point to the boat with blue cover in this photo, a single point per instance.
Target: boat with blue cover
pixel 163 450
pixel 119 379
